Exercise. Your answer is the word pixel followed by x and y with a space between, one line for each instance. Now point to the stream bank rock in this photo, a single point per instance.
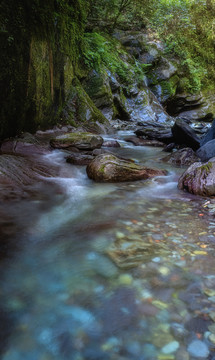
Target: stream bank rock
pixel 79 140
pixel 199 179
pixel 207 151
pixel 181 157
pixel 185 135
pixel 109 168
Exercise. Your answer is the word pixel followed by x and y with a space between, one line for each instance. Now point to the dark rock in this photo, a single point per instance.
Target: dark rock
pixel 109 168
pixel 143 142
pixel 177 104
pixel 79 159
pixel 184 134
pixel 182 157
pixel 199 179
pixel 169 147
pixel 207 151
pixel 111 143
pixel 198 325
pixel 122 110
pixel 207 118
pixel 119 311
pixel 96 152
pixel 160 133
pixel 210 135
pixel 79 140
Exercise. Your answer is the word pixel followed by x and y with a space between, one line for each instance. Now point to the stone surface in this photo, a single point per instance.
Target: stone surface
pixel 79 140
pixel 206 151
pixel 111 143
pixel 109 168
pixel 210 135
pixel 79 159
pixel 199 179
pixel 198 349
pixel 153 132
pixel 181 157
pixel 184 134
pixel 144 142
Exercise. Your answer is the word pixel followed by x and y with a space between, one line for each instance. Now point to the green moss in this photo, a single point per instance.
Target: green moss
pixel 206 168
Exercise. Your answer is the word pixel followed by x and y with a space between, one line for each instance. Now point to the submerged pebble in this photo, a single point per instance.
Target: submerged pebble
pixel 198 349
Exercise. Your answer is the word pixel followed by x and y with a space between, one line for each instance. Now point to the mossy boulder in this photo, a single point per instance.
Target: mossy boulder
pixel 109 168
pixel 79 140
pixel 199 179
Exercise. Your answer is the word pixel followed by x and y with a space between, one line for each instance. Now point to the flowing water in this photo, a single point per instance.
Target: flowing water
pixel 108 271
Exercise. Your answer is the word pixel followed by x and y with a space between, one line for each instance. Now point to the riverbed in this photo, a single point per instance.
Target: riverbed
pixel 69 288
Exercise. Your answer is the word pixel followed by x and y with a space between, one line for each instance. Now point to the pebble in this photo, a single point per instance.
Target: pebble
pixel 170 348
pixel 212 315
pixel 198 349
pixel 125 279
pixel 212 338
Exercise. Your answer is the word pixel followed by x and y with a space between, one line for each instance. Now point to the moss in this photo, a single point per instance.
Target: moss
pixel 206 168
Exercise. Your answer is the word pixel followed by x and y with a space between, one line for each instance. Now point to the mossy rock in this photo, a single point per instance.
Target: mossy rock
pixel 79 140
pixel 109 168
pixel 199 179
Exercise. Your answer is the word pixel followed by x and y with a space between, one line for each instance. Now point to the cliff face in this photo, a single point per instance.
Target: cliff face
pixel 41 43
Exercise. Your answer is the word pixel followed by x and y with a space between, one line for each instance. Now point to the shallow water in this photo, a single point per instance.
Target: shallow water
pixel 69 289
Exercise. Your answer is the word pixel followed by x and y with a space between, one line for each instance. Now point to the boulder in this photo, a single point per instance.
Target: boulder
pixel 210 135
pixel 184 134
pixel 207 151
pixel 111 143
pixel 79 159
pixel 181 157
pixel 109 168
pixel 163 134
pixel 27 145
pixel 79 140
pixel 199 179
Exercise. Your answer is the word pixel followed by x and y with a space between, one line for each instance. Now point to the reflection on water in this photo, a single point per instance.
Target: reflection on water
pixel 108 271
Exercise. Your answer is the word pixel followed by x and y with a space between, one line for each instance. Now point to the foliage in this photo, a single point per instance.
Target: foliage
pixel 102 51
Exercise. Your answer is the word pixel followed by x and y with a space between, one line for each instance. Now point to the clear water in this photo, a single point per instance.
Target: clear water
pixel 64 296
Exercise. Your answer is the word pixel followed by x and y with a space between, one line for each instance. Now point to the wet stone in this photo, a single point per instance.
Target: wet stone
pixel 198 349
pixel 170 348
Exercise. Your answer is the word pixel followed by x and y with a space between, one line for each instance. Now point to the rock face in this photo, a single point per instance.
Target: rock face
pixel 184 134
pixel 109 168
pixel 81 141
pixel 182 157
pixel 79 159
pixel 199 179
pixel 207 151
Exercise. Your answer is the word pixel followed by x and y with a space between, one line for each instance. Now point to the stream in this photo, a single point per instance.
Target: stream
pixel 71 290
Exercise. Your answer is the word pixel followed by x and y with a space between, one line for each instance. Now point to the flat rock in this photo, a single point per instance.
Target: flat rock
pixel 109 168
pixel 79 140
pixel 144 142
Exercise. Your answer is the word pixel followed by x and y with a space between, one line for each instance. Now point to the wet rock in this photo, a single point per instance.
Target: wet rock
pixel 162 134
pixel 170 348
pixel 144 142
pixel 127 253
pixel 210 135
pixel 169 147
pixel 199 179
pixel 79 140
pixel 109 168
pixel 206 151
pixel 184 134
pixel 178 330
pixel 119 311
pixel 27 145
pixel 79 159
pixel 198 349
pixel 111 143
pixel 101 265
pixel 181 157
pixel 206 118
pixel 197 325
